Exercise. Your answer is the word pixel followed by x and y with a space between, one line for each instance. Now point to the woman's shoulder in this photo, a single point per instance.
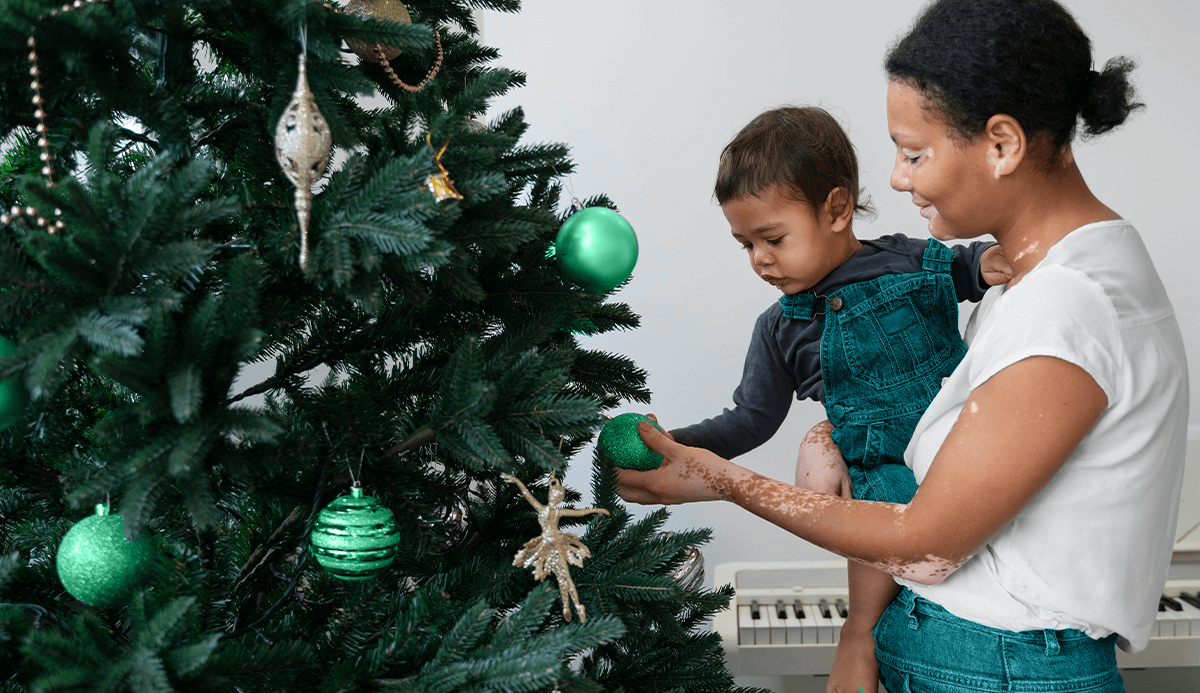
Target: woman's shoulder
pixel 1105 261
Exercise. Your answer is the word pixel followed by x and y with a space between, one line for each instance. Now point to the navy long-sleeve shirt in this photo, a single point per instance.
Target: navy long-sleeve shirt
pixel 785 354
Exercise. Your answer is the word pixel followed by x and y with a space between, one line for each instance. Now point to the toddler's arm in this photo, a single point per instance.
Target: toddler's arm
pixel 820 466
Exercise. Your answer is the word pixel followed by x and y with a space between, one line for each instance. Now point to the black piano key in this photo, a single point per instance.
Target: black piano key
pixel 754 610
pixel 780 610
pixel 841 607
pixel 824 605
pixel 1171 603
pixel 1194 600
pixel 799 608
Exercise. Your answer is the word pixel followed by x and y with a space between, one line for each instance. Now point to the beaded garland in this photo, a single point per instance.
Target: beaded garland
pixel 43 131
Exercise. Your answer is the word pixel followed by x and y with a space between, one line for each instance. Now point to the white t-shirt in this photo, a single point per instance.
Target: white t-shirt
pixel 1091 550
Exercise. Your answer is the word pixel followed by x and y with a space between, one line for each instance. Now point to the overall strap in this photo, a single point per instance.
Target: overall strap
pixel 937 257
pixel 798 306
pixel 806 305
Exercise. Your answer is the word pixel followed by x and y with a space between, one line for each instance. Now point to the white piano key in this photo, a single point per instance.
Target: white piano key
pixel 745 625
pixel 808 624
pixel 778 627
pixel 824 623
pixel 792 623
pixel 762 626
pixel 836 617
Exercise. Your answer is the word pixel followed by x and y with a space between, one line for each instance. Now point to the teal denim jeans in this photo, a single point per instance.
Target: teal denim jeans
pixel 922 648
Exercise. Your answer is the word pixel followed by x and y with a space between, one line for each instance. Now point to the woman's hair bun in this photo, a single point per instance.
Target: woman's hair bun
pixel 1109 97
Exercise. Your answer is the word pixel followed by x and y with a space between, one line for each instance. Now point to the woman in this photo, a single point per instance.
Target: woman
pixel 1050 461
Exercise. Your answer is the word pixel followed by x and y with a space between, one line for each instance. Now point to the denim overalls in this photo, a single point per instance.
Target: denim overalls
pixel 885 347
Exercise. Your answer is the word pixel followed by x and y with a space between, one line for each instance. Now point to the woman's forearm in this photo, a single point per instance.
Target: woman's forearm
pixel 877 534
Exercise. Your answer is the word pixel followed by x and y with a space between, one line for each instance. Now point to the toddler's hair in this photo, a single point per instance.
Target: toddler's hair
pixel 802 150
pixel 1025 58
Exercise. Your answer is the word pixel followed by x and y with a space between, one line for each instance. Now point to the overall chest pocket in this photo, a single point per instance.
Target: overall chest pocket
pixel 904 332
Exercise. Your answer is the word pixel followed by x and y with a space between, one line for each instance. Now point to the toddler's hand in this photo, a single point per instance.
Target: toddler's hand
pixel 820 466
pixel 994 267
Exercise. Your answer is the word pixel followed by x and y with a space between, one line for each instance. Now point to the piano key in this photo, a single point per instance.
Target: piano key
pixel 792 625
pixel 838 616
pixel 824 624
pixel 778 625
pixel 745 625
pixel 1175 624
pixel 808 624
pixel 1193 599
pixel 762 626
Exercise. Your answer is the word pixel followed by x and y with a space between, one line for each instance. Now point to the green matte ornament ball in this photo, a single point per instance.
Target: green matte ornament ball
pixel 12 392
pixel 619 438
pixel 355 537
pixel 97 565
pixel 596 248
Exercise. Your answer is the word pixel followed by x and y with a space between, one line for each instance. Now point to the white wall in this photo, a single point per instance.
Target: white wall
pixel 647 92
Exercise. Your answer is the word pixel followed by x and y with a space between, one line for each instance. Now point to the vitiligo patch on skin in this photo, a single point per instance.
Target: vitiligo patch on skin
pixel 1032 247
pixel 927 571
pixel 974 407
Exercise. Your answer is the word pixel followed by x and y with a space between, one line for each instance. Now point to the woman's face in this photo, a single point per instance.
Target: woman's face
pixel 948 180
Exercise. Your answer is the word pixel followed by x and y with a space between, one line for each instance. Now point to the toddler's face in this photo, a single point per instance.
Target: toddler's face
pixel 789 246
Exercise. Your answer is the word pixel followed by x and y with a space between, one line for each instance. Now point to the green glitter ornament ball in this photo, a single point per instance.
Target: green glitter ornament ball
pixel 619 438
pixel 96 564
pixel 596 248
pixel 12 392
pixel 355 537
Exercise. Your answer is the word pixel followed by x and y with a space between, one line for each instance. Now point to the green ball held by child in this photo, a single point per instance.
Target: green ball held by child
pixel 620 440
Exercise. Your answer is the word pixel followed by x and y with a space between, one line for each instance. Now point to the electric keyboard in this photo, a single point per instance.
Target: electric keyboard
pixel 786 620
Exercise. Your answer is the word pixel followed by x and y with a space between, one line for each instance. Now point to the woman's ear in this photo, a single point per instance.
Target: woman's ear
pixel 1006 144
pixel 838 209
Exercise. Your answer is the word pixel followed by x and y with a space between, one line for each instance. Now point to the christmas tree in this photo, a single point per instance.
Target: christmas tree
pixel 205 203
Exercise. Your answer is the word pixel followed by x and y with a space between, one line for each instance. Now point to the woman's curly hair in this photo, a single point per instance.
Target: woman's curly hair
pixel 1025 58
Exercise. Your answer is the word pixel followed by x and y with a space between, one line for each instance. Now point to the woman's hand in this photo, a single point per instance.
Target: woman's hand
pixel 686 475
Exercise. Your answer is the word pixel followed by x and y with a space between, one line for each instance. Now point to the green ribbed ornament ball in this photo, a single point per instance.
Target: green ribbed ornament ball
pixel 355 537
pixel 97 565
pixel 12 392
pixel 619 438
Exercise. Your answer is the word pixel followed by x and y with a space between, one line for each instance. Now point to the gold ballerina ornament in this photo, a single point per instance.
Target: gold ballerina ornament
pixel 302 146
pixel 554 549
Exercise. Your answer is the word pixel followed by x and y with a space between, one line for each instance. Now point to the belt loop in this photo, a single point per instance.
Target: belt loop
pixel 913 623
pixel 1052 646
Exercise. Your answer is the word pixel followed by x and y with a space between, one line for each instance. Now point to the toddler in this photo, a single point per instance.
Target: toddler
pixel 868 328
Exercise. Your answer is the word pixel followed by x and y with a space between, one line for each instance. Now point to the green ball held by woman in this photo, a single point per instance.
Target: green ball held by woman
pixel 620 440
